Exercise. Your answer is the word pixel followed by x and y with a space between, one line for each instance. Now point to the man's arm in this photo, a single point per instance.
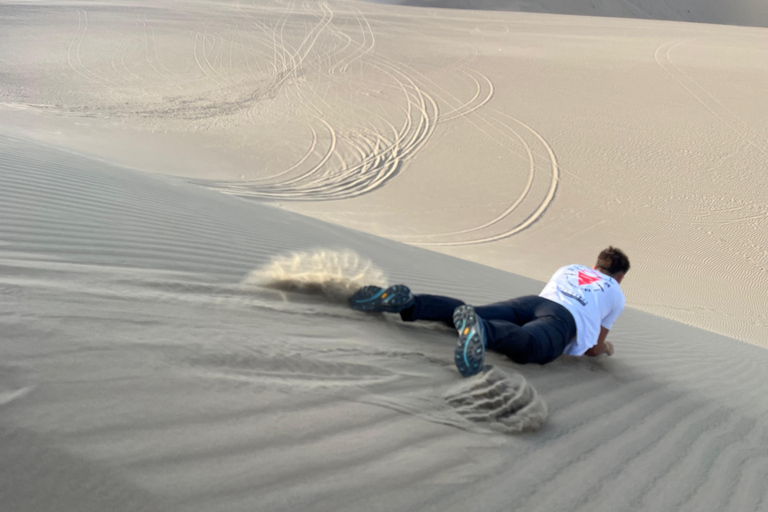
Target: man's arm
pixel 602 347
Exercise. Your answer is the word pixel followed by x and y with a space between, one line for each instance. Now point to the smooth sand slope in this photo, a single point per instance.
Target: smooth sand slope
pixel 142 369
pixel 522 141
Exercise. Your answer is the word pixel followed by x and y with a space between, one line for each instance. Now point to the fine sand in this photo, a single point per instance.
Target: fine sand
pixel 190 190
pixel 521 141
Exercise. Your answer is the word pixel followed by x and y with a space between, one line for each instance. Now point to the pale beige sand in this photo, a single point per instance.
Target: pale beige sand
pixel 152 359
pixel 522 141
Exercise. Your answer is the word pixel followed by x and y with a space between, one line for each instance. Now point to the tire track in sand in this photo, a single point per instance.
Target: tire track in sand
pixel 359 162
pixel 541 204
pixel 82 23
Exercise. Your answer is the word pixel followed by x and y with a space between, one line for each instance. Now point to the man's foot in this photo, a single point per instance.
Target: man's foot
pixel 374 299
pixel 470 351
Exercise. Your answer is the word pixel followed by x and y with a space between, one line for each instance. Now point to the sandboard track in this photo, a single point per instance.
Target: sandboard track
pixel 288 370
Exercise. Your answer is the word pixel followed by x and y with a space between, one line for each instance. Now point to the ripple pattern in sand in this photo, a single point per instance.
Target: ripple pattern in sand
pixel 121 309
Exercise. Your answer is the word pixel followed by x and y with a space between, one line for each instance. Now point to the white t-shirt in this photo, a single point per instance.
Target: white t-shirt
pixel 593 298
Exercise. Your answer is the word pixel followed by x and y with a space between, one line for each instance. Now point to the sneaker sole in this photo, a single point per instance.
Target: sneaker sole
pixel 469 355
pixel 376 299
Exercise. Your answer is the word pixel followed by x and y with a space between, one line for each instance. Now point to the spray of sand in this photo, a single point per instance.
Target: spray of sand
pixel 335 275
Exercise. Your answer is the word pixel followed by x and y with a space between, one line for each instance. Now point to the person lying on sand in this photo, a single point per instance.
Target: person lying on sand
pixel 572 315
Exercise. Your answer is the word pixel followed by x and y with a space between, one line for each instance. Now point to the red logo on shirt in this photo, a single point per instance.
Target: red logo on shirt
pixel 585 278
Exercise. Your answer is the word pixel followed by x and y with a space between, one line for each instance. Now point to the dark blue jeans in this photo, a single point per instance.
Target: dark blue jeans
pixel 528 329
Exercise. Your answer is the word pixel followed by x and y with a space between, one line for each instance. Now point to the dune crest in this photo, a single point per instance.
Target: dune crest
pixel 745 12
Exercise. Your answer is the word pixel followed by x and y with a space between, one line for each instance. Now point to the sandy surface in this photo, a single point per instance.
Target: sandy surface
pixel 522 141
pixel 145 368
pixel 188 191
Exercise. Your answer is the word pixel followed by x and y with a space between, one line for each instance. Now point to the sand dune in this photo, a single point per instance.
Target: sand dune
pixel 145 370
pixel 521 141
pixel 188 192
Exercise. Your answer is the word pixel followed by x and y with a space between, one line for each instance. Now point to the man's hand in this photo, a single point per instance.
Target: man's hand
pixel 605 347
pixel 602 346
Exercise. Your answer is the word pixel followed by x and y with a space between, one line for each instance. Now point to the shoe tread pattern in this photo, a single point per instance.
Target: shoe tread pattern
pixel 469 355
pixel 374 299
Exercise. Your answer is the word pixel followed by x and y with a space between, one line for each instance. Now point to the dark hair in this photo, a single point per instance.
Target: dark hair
pixel 613 261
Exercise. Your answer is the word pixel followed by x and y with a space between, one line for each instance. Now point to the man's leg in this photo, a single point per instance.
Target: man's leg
pixel 539 341
pixel 519 328
pixel 528 329
pixel 434 308
pixel 519 311
pixel 399 299
pixel 438 308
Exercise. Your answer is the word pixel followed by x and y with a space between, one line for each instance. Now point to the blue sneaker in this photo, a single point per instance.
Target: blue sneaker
pixel 470 351
pixel 375 299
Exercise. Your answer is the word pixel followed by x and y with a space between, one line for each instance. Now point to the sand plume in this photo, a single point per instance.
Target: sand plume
pixel 334 275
